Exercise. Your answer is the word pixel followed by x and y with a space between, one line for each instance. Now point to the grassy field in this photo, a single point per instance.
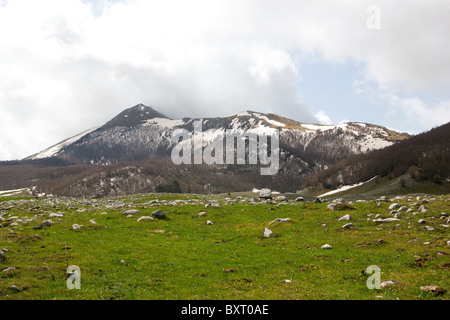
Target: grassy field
pixel 184 258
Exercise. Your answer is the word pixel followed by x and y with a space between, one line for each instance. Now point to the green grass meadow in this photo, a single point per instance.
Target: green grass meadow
pixel 183 258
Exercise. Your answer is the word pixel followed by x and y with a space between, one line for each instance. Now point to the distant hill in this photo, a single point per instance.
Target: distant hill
pixel 421 158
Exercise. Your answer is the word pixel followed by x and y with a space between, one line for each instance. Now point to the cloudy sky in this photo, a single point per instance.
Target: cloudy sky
pixel 69 65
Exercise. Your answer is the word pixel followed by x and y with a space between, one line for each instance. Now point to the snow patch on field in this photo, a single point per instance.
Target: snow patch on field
pixel 344 188
pixel 6 193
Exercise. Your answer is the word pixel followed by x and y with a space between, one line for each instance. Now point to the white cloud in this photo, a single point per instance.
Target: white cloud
pixel 426 114
pixel 67 65
pixel 323 117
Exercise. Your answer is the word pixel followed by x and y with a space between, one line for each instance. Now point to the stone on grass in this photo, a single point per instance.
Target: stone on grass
pixel 280 220
pixel 57 215
pixel 326 246
pixel 267 232
pixel 209 222
pixel 394 206
pixel 47 223
pixel 385 220
pixel 76 226
pixel 159 214
pixel 345 218
pixel 132 211
pixel 348 225
pixel 435 290
pixel 387 284
pixel 92 221
pixel 7 269
pixel 299 199
pixel 265 193
pixel 145 218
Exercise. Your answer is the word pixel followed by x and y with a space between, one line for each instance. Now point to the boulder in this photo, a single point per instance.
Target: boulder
pixel 265 193
pixel 435 290
pixel 299 199
pixel 47 223
pixel 159 214
pixel 132 211
pixel 345 218
pixel 145 218
pixel 394 206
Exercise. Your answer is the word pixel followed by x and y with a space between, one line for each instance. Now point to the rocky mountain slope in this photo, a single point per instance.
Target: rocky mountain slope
pixel 141 133
pixel 131 154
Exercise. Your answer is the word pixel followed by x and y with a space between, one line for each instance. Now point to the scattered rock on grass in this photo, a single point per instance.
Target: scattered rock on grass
pixel 345 218
pixel 435 290
pixel 132 211
pixel 265 193
pixel 159 214
pixel 267 232
pixel 326 246
pixel 145 218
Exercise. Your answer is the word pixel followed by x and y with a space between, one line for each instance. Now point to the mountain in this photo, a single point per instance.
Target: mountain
pixel 142 133
pixel 417 164
pixel 140 136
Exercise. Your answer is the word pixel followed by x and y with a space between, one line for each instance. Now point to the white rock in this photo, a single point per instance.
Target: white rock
pixel 326 246
pixel 265 193
pixel 47 223
pixel 345 218
pixel 209 222
pixel 385 220
pixel 387 284
pixel 130 212
pixel 57 215
pixel 267 232
pixel 145 218
pixel 76 226
pixel 92 221
pixel 280 220
pixel 348 225
pixel 394 206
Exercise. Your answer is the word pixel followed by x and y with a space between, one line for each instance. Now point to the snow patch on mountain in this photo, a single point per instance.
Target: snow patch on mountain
pixel 53 150
pixel 164 122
